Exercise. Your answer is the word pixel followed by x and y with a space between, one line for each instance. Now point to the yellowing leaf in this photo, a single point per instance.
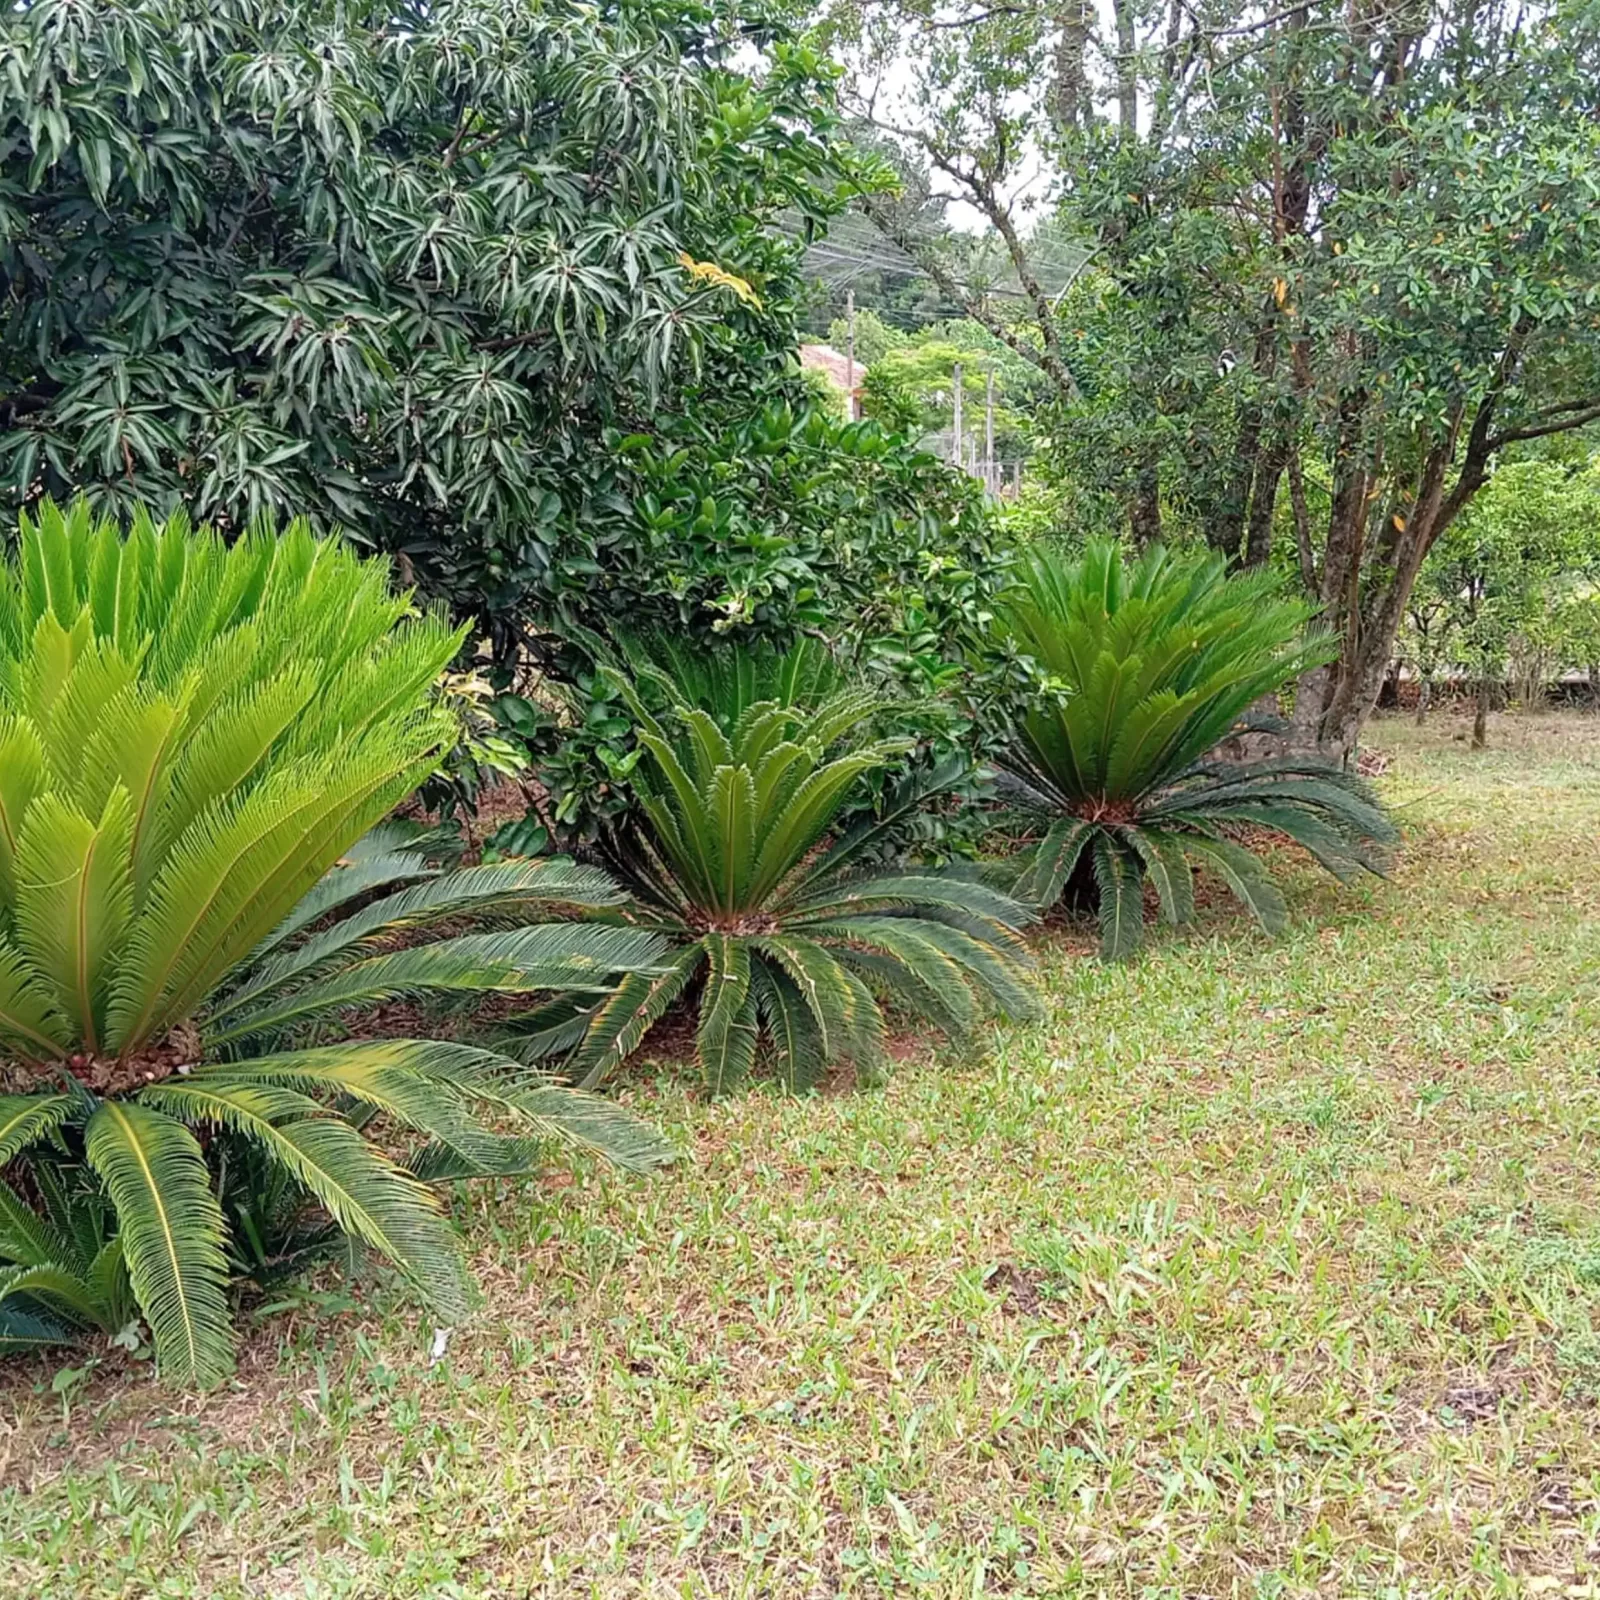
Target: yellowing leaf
pixel 710 272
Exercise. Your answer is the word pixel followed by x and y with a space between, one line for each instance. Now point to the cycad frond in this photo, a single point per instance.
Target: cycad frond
pixel 1121 904
pixel 798 1058
pixel 1147 665
pixel 427 1084
pixel 512 885
pixel 590 1123
pixel 618 1026
pixel 366 1194
pixel 1245 876
pixel 25 1119
pixel 60 1292
pixel 557 955
pixel 171 1230
pixel 726 1039
pixel 348 879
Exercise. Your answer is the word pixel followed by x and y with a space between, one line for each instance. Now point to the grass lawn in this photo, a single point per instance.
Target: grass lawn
pixel 1259 1268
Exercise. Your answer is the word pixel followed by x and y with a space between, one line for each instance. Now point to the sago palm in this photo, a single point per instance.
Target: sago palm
pixel 192 735
pixel 1144 668
pixel 747 765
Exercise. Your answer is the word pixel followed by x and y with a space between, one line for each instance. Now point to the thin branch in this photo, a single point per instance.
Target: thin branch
pixel 977 17
pixel 1558 419
pixel 973 305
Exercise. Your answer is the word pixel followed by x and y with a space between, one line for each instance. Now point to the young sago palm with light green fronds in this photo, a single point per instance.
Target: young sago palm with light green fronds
pixel 192 736
pixel 748 762
pixel 1144 668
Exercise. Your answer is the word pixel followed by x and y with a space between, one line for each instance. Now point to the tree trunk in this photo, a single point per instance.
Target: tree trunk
pixel 1311 696
pixel 1127 69
pixel 1302 522
pixel 1400 544
pixel 1225 534
pixel 1594 681
pixel 1480 718
pixel 1424 697
pixel 1264 501
pixel 1144 508
pixel 1071 108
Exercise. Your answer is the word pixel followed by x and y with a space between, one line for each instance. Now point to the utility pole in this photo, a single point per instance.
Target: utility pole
pixel 850 351
pixel 955 440
pixel 988 434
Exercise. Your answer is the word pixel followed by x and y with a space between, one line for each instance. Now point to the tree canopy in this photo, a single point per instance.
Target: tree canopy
pixel 398 266
pixel 1357 238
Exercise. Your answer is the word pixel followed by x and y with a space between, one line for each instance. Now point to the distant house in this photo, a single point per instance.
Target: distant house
pixel 835 367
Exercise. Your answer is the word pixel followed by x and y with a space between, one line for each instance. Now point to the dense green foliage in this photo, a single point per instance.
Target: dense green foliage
pixel 1354 246
pixel 787 524
pixel 1510 590
pixel 1144 668
pixel 510 291
pixel 191 736
pixel 412 269
pixel 747 766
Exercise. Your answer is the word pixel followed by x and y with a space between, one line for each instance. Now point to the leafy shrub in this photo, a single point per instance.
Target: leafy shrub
pixel 745 772
pixel 888 399
pixel 782 526
pixel 1144 668
pixel 191 736
pixel 409 305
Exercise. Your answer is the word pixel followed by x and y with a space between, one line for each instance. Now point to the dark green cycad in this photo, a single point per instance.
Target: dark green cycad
pixel 191 736
pixel 747 768
pixel 1146 667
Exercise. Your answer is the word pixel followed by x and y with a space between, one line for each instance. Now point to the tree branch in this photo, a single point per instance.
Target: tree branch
pixel 974 18
pixel 972 304
pixel 1558 419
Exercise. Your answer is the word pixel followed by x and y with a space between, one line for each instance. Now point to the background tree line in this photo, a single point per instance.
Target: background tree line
pixel 1342 257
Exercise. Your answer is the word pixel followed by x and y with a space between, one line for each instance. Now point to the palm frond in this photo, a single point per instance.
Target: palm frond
pixel 1246 877
pixel 61 1293
pixel 1166 866
pixel 366 1194
pixel 1051 862
pixel 798 1054
pixel 25 1119
pixel 726 1041
pixel 624 1017
pixel 519 886
pixel 1121 903
pixel 558 955
pixel 171 1230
